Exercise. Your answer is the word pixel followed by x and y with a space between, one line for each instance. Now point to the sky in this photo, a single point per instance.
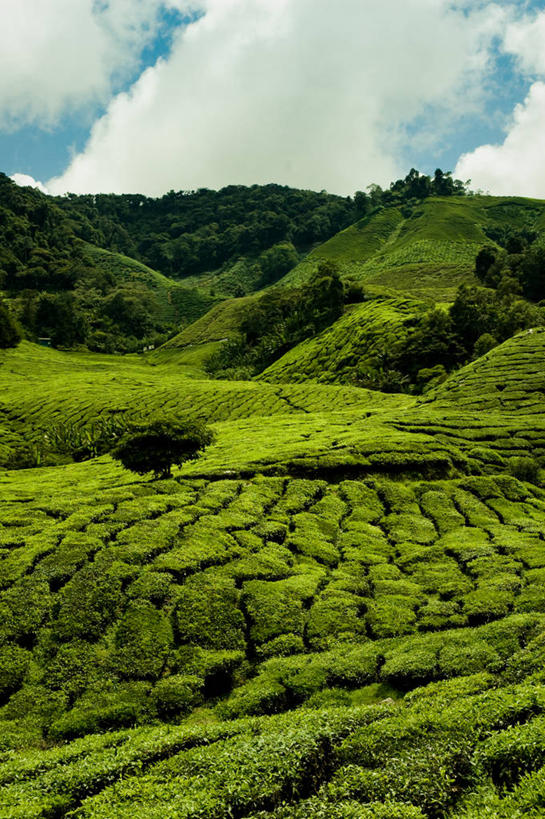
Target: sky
pixel 148 96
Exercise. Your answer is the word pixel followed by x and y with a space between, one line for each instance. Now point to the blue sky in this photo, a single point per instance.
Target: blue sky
pixel 240 91
pixel 45 152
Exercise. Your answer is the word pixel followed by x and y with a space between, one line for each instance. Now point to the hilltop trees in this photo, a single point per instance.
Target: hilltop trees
pixel 156 446
pixel 185 233
pixel 532 273
pixel 277 261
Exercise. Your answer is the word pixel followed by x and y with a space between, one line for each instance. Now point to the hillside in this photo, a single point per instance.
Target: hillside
pixel 418 253
pixel 218 324
pixel 350 347
pixel 510 378
pixel 426 249
pixel 119 273
pixel 190 233
pixel 176 303
pixel 285 628
pixel 336 611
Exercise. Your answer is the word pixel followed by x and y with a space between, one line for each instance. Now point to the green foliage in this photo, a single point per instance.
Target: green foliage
pixel 521 267
pixel 142 640
pixel 176 695
pixel 208 614
pixel 525 469
pixel 158 445
pixel 279 320
pixel 277 261
pixel 14 662
pixel 10 333
pixel 338 611
pixel 87 604
pixel 186 233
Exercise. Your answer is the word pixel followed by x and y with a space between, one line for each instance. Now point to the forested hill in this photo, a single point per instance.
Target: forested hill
pixel 188 232
pixel 119 273
pixel 91 269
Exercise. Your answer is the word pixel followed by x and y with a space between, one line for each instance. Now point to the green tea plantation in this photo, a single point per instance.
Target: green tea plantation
pixel 337 611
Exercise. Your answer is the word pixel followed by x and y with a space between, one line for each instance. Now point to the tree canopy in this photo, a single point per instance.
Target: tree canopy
pixel 156 446
pixel 10 334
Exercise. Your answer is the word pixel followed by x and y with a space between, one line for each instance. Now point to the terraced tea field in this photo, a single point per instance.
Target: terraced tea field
pixel 337 611
pixel 367 606
pixel 426 250
pixel 348 348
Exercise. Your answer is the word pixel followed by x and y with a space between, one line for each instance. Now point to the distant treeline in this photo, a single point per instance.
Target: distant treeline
pixel 188 232
pixel 414 187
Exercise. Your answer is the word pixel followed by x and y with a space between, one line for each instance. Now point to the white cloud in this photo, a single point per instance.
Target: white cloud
pixel 517 167
pixel 525 39
pixel 25 180
pixel 301 92
pixel 60 55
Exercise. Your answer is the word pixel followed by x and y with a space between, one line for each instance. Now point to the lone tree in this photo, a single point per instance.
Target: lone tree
pixel 156 446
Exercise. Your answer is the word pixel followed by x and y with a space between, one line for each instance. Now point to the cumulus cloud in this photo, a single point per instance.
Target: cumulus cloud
pixel 293 91
pixel 25 180
pixel 60 55
pixel 517 167
pixel 525 39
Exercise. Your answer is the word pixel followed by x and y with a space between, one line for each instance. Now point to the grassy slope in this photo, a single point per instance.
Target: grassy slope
pixel 283 572
pixel 302 593
pixel 220 323
pixel 510 378
pixel 45 389
pixel 427 254
pixel 177 302
pixel 288 570
pixel 343 351
pixel 424 256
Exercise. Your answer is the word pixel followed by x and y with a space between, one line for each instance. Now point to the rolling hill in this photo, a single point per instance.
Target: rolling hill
pixel 426 249
pixel 350 347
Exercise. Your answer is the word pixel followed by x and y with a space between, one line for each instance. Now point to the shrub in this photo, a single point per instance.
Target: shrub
pixel 10 332
pixel 13 667
pixel 72 668
pixel 207 613
pixel 274 609
pixel 283 646
pixel 23 609
pixel 508 755
pixel 484 344
pixel 406 668
pixel 88 604
pixel 177 695
pixel 428 775
pixel 155 447
pixel 524 468
pixel 102 708
pixel 142 642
